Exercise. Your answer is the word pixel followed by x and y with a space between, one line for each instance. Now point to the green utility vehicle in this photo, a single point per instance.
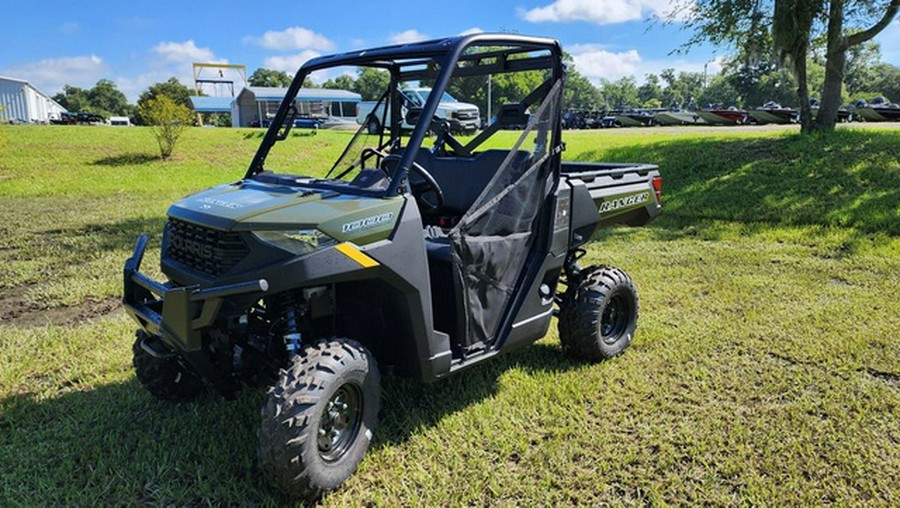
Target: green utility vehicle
pixel 420 254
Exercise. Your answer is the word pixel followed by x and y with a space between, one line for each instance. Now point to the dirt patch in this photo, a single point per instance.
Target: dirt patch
pixel 16 310
pixel 888 378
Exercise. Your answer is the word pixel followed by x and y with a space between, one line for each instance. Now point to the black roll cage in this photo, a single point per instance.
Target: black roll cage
pixel 415 61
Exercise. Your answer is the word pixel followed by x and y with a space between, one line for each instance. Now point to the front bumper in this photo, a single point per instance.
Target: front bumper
pixel 464 126
pixel 177 316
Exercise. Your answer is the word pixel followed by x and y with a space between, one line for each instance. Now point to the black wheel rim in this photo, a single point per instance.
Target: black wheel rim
pixel 614 320
pixel 340 423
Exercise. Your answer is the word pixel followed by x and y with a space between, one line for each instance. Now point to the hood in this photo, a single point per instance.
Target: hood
pixel 456 106
pixel 255 206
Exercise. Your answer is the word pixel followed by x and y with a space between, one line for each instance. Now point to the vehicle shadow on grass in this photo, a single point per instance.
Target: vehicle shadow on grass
pixel 115 444
pixel 847 178
pixel 126 159
pixel 409 406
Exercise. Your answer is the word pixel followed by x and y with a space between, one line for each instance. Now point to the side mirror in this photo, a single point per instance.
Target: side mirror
pixel 413 115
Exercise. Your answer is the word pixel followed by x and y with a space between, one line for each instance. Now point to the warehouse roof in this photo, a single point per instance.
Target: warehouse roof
pixel 304 95
pixel 211 104
pixel 26 83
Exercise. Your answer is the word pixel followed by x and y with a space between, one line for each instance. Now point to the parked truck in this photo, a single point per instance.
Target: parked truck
pixel 418 255
pixel 462 117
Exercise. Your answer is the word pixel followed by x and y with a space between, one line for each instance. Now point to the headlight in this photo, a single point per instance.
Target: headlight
pixel 302 241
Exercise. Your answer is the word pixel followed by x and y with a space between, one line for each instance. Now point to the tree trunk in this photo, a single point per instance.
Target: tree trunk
pixel 806 124
pixel 836 56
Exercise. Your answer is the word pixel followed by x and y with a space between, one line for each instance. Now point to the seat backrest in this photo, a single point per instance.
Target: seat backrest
pixel 462 179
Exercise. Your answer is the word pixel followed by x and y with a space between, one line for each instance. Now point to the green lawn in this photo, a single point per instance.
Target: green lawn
pixel 765 371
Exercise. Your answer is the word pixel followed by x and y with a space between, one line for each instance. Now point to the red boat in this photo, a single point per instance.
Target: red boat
pixel 724 116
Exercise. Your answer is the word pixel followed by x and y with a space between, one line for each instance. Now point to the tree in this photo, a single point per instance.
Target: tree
pixel 838 41
pixel 580 93
pixel 863 67
pixel 650 89
pixel 342 82
pixel 842 24
pixel 167 120
pixel 719 91
pixel 104 98
pixel 887 81
pixel 791 30
pixel 371 83
pixel 622 93
pixel 172 88
pixel 73 99
pixel 269 78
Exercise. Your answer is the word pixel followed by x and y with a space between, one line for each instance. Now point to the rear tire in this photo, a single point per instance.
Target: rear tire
pixel 165 378
pixel 598 314
pixel 319 417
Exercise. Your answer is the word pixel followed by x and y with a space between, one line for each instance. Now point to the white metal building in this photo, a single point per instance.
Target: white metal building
pixel 22 102
pixel 258 104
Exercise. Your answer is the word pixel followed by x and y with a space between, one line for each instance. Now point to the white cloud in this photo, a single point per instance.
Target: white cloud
pixel 597 63
pixel 472 31
pixel 406 37
pixel 289 63
pixel 185 51
pixel 166 60
pixel 600 12
pixel 69 28
pixel 50 74
pixel 292 38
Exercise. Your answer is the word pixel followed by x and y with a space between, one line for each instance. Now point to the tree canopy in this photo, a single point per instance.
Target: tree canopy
pixel 104 99
pixel 172 88
pixel 269 78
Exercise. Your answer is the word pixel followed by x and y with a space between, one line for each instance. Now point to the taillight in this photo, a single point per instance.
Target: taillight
pixel 657 188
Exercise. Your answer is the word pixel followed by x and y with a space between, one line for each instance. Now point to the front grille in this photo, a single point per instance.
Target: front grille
pixel 467 115
pixel 203 249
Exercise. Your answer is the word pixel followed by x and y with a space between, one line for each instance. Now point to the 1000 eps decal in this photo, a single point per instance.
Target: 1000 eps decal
pixel 220 202
pixel 367 223
pixel 615 204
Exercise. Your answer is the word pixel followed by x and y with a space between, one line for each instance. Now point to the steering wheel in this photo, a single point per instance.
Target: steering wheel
pixel 419 189
pixel 429 186
pixel 369 152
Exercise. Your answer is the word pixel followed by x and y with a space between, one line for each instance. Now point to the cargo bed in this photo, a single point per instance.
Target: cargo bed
pixel 622 193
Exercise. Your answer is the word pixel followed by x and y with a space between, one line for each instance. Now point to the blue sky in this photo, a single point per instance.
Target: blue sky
pixel 137 43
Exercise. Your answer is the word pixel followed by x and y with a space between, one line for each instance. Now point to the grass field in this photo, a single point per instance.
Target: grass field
pixel 765 371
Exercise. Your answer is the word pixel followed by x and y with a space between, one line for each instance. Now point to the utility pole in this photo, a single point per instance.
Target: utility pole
pixel 489 101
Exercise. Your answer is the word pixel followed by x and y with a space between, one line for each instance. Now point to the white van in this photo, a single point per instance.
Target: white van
pixel 120 121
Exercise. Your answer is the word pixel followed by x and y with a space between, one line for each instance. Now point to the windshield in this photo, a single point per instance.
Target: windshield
pixel 348 126
pixel 332 131
pixel 444 98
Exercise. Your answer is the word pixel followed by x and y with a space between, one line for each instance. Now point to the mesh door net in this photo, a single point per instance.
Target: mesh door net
pixel 492 240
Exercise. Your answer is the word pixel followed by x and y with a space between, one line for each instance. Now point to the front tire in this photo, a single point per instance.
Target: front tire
pixel 319 417
pixel 598 314
pixel 164 378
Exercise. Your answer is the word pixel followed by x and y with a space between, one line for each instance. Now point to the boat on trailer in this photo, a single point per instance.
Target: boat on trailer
pixel 678 118
pixel 772 112
pixel 723 116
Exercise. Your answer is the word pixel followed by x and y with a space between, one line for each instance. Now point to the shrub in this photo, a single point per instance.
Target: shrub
pixel 167 120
